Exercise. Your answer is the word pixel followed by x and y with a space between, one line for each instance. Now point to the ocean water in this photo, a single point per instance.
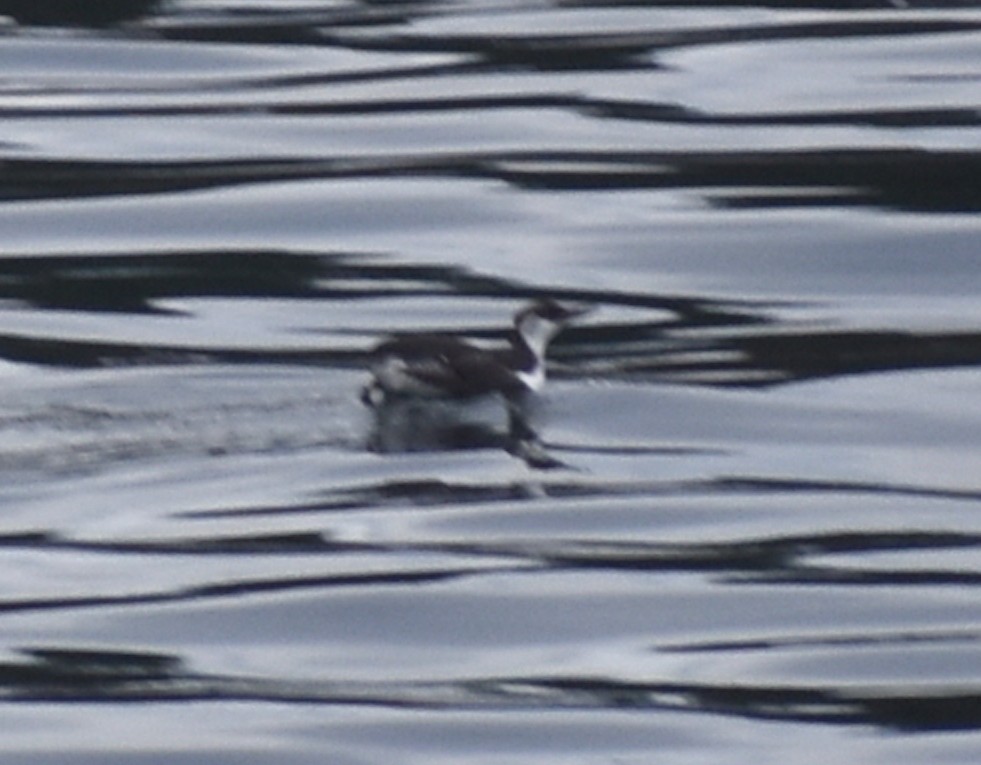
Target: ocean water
pixel 742 523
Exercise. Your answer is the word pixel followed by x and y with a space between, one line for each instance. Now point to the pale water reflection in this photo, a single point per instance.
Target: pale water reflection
pixel 740 524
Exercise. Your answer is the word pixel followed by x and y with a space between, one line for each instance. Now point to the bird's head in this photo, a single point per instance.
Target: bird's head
pixel 543 319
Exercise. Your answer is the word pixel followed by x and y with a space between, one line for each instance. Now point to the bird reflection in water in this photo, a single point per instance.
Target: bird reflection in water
pixel 403 425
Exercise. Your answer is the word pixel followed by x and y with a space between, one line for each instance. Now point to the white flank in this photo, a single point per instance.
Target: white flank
pixel 394 374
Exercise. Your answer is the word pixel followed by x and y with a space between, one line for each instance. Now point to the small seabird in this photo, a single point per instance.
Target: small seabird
pixel 444 366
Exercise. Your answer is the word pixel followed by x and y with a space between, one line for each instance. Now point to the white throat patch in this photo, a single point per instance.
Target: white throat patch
pixel 537 332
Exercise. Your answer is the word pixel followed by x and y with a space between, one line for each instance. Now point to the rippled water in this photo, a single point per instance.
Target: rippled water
pixel 748 529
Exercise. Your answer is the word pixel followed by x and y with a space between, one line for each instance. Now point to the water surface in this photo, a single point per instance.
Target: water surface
pixel 745 525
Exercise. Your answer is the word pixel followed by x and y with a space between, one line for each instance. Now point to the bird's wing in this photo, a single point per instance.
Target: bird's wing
pixel 431 360
pixel 419 347
pixel 481 377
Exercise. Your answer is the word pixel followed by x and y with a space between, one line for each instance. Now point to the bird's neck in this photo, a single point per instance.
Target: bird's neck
pixel 532 336
pixel 528 361
pixel 528 357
